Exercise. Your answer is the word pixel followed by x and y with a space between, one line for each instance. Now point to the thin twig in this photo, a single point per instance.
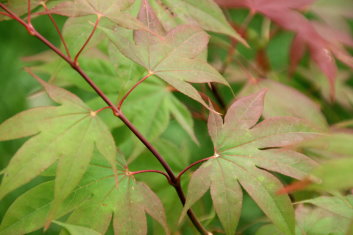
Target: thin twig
pixel 193 164
pixel 132 88
pixel 5 14
pixel 101 109
pixel 88 39
pixel 151 171
pixel 117 113
pixel 57 29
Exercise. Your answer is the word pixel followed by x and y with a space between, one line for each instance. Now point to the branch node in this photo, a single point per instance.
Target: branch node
pixel 31 30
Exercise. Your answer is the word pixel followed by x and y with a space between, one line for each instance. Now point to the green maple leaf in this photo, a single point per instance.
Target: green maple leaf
pixel 206 13
pixel 115 11
pixel 66 134
pixel 92 205
pixel 177 57
pixel 243 153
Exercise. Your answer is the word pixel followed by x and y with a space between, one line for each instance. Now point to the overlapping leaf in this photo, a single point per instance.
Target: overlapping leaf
pixel 344 92
pixel 243 151
pixel 66 134
pixel 204 13
pixel 332 215
pixel 282 100
pixel 19 7
pixel 111 9
pixel 285 14
pixel 176 57
pixel 95 197
pixel 153 121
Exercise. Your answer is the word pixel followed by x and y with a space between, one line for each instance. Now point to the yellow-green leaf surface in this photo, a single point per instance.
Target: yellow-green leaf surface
pixel 334 174
pixel 206 13
pixel 66 134
pixel 174 56
pixel 92 205
pixel 77 230
pixel 244 153
pixel 116 11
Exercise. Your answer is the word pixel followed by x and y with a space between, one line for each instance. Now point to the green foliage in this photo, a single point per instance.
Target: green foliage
pixel 114 139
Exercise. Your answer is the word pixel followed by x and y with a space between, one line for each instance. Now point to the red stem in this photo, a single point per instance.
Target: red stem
pixel 88 39
pixel 154 171
pixel 132 88
pixel 117 113
pixel 57 30
pixel 5 14
pixel 191 165
pixel 101 109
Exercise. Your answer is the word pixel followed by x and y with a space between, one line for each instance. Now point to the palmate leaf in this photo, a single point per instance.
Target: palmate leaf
pixel 176 57
pixel 67 134
pixel 93 204
pixel 243 151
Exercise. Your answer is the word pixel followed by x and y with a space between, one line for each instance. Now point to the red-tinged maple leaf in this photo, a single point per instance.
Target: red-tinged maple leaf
pixel 285 13
pixel 244 153
pixel 178 57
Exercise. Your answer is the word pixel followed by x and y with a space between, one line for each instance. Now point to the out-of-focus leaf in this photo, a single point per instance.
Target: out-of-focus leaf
pixel 172 57
pixel 333 145
pixel 285 14
pixel 319 221
pixel 268 229
pixel 333 13
pixel 334 174
pixel 241 149
pixel 19 7
pixel 344 92
pixel 282 100
pixel 342 206
pixel 102 72
pixel 68 134
pixel 204 13
pixel 77 230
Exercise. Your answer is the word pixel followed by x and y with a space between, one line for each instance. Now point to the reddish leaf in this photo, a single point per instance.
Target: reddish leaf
pixel 175 57
pixel 241 148
pixel 284 13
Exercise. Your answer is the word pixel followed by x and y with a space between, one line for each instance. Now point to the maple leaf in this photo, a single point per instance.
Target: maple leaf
pixel 95 197
pixel 19 7
pixel 344 92
pixel 177 57
pixel 116 11
pixel 282 100
pixel 66 134
pixel 205 13
pixel 243 153
pixel 285 14
pixel 330 215
pixel 152 122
